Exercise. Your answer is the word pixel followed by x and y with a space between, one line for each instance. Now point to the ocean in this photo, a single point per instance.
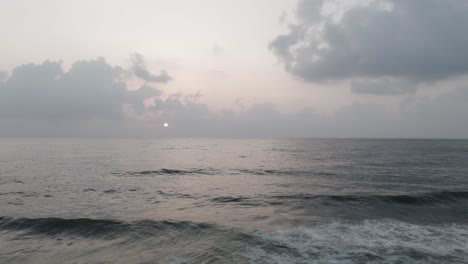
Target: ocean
pixel 94 200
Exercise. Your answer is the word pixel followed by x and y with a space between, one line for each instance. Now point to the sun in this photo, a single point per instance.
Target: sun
pixel 165 124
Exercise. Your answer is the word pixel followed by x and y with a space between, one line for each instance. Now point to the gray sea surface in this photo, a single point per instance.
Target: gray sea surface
pixel 95 200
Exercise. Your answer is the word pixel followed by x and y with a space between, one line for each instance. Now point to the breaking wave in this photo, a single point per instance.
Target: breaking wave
pixel 369 241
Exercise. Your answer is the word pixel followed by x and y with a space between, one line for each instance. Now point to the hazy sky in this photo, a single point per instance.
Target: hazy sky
pixel 305 68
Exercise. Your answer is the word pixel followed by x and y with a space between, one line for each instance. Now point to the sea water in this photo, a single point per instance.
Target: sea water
pixel 94 200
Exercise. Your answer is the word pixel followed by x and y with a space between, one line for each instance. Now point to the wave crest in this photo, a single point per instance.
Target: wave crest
pixel 416 199
pixel 92 227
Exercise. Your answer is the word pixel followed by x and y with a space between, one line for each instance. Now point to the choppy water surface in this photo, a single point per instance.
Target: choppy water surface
pixel 233 201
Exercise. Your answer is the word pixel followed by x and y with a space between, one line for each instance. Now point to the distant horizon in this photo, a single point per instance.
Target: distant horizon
pixel 223 137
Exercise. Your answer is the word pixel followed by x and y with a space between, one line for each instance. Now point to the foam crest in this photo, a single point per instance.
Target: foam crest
pixel 373 241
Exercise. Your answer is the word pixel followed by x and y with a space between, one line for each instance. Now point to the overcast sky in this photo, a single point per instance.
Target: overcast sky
pixel 263 68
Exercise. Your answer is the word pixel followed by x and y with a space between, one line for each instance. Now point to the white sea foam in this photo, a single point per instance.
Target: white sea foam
pixel 371 241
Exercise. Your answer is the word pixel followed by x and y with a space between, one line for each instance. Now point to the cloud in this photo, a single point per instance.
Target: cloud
pixel 3 75
pixel 178 106
pixel 309 11
pixel 89 89
pixel 91 99
pixel 283 18
pixel 383 86
pixel 415 41
pixel 440 117
pixel 188 117
pixel 136 98
pixel 140 69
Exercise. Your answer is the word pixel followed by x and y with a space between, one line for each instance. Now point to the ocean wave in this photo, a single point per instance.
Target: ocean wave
pixel 21 194
pixel 212 171
pixel 91 227
pixel 287 172
pixel 239 201
pixel 164 171
pixel 429 198
pixel 146 241
pixel 303 200
pixel 229 199
pixel 370 241
pixel 111 241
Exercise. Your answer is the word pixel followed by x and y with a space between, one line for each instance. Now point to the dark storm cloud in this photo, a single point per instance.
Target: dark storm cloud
pixel 417 40
pixel 89 89
pixel 140 69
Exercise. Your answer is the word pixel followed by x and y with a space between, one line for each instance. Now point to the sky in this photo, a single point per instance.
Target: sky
pixel 222 68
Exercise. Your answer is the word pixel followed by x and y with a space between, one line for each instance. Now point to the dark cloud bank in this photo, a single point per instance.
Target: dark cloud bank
pixel 385 47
